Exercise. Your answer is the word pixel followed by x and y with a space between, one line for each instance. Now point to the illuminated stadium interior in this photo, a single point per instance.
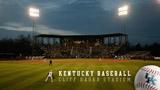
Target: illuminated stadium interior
pixel 81 46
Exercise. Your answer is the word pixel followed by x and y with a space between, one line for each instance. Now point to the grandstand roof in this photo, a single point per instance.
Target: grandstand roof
pixel 80 36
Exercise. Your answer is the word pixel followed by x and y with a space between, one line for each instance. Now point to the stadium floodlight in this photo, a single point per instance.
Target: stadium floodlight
pixel 122 11
pixel 34 12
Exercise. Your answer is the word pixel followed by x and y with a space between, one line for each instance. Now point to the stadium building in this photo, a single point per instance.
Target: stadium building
pixel 81 46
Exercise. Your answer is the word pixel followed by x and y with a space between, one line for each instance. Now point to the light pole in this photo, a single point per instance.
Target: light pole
pixel 123 11
pixel 33 13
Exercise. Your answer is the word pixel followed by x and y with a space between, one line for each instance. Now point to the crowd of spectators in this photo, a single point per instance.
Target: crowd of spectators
pixel 79 51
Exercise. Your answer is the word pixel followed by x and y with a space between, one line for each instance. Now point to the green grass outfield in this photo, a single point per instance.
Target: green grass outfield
pixel 30 75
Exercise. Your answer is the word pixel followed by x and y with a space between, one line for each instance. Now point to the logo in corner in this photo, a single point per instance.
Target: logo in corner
pixel 150 79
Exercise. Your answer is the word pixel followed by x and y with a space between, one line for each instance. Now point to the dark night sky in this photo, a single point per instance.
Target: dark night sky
pixel 84 17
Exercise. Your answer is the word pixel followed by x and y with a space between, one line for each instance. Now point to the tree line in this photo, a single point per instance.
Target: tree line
pixel 153 48
pixel 20 46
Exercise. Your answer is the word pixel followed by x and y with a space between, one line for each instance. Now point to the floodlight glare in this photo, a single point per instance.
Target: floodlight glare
pixel 34 12
pixel 123 13
pixel 123 10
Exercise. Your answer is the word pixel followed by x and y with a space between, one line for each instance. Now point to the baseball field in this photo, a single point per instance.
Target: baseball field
pixel 31 74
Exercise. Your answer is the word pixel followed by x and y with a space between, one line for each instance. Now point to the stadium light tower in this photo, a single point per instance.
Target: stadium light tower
pixel 123 11
pixel 33 13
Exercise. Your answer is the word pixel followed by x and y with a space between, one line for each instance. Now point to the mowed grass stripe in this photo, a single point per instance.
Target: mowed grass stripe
pixel 23 81
pixel 40 83
pixel 34 77
pixel 21 78
pixel 11 66
pixel 101 84
pixel 134 69
pixel 10 79
pixel 14 70
pixel 101 67
pixel 105 84
pixel 60 85
pixel 64 85
pixel 121 67
pixel 5 65
pixel 10 71
pixel 19 68
pixel 73 85
pixel 90 85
